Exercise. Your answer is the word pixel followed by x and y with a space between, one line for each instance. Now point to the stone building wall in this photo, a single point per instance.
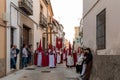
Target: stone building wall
pixel 2 67
pixel 106 67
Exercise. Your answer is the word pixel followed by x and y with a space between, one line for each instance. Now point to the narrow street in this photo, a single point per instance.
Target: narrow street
pixel 45 73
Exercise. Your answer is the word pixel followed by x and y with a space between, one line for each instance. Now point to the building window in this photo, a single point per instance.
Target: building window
pixel 101 36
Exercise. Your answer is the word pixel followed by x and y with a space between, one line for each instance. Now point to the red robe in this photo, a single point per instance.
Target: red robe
pixel 75 58
pixel 58 53
pixel 61 58
pixel 55 58
pixel 47 59
pixel 43 59
pixel 35 58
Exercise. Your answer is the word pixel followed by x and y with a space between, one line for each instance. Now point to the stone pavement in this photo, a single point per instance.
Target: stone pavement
pixel 44 73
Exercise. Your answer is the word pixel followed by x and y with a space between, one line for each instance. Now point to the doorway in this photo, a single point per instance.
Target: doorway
pixel 26 32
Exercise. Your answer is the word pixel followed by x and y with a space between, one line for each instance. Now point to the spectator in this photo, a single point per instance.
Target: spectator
pixel 12 55
pixel 29 49
pixel 80 61
pixel 16 55
pixel 87 64
pixel 24 56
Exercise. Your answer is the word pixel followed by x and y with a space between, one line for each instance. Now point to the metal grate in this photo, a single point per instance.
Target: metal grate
pixel 30 69
pixel 45 71
pixel 25 76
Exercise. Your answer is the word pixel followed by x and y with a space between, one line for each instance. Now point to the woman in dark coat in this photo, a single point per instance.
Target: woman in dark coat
pixel 88 62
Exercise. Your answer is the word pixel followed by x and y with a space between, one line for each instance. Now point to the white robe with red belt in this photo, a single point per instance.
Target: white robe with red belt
pixel 58 58
pixel 64 56
pixel 51 60
pixel 39 60
pixel 70 61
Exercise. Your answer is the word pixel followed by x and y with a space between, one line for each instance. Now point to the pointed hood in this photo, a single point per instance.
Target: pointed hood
pixel 70 48
pixel 64 51
pixel 78 49
pixel 54 48
pixel 50 46
pixel 75 51
pixel 40 47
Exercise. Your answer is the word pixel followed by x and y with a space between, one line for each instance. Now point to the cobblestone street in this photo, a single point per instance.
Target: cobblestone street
pixel 45 73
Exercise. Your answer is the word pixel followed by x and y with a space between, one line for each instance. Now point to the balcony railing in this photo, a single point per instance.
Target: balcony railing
pixel 43 21
pixel 26 6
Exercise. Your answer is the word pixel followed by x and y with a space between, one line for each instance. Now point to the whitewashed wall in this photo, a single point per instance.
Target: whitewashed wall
pixel 13 24
pixel 112 26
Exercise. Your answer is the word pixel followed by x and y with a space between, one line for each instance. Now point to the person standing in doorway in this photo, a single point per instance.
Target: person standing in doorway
pixel 16 55
pixel 29 59
pixel 12 57
pixel 24 56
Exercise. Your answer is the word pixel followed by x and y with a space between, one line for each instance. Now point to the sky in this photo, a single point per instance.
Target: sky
pixel 68 13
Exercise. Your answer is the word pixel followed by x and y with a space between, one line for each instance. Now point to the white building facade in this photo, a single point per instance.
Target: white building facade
pixel 20 27
pixel 12 24
pixel 57 32
pixel 101 26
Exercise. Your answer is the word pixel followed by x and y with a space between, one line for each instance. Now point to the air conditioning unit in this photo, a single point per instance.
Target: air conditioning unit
pixel 5 17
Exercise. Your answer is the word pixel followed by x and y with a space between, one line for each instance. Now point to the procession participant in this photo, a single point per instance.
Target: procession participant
pixel 41 56
pixel 55 57
pixel 69 60
pixel 61 55
pixel 51 58
pixel 75 57
pixel 35 57
pixel 64 54
pixel 47 58
pixel 55 54
pixel 58 57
